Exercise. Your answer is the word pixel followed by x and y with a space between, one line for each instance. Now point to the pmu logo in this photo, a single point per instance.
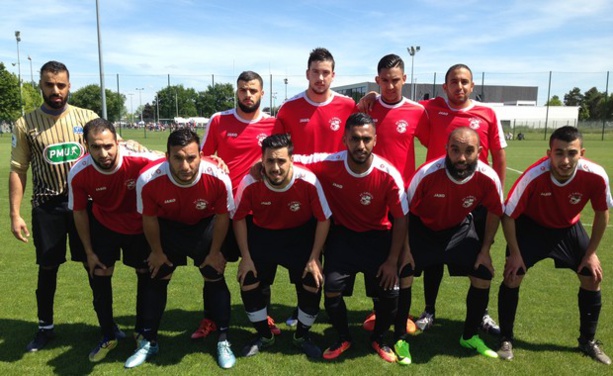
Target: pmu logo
pixel 63 153
pixel 335 124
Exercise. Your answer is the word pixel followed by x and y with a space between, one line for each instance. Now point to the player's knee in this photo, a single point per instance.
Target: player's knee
pixel 210 274
pixel 250 282
pixel 309 283
pixel 164 272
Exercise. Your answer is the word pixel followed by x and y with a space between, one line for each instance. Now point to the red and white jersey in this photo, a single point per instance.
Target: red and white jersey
pixel 444 119
pixel 396 125
pixel 315 127
pixel 360 202
pixel 552 204
pixel 442 202
pixel 113 192
pixel 237 141
pixel 159 194
pixel 289 207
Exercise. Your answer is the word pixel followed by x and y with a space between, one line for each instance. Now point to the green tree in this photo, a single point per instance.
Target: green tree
pixel 89 97
pixel 31 97
pixel 591 101
pixel 216 98
pixel 10 108
pixel 554 101
pixel 176 100
pixel 573 97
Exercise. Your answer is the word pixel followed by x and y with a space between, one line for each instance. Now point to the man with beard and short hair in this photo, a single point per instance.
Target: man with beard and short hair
pixel 51 139
pixel 236 136
pixel 184 201
pixel 442 195
pixel 368 202
pixel 102 195
pixel 542 220
pixel 290 225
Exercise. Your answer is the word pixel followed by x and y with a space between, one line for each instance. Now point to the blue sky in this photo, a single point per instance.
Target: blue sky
pixel 514 42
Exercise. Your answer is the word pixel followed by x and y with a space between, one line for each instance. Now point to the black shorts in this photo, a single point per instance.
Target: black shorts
pixel 290 248
pixel 107 245
pixel 52 223
pixel 180 241
pixel 457 247
pixel 349 252
pixel 566 246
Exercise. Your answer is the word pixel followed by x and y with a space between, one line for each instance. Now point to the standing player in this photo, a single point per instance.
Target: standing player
pixel 106 179
pixel 542 220
pixel 397 119
pixel 363 190
pixel 285 205
pixel 236 136
pixel 184 201
pixel 315 118
pixel 458 110
pixel 51 139
pixel 442 196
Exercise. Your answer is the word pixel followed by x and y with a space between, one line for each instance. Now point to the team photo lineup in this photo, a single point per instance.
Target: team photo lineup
pixel 327 189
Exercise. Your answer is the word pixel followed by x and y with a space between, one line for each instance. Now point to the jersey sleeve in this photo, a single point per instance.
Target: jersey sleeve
pixel 319 203
pixel 209 139
pixel 243 199
pixel 77 195
pixel 20 148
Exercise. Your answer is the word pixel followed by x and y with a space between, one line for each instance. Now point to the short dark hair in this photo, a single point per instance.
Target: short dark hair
pixel 182 137
pixel 320 54
pixel 567 133
pixel 359 119
pixel 250 76
pixel 98 125
pixel 278 141
pixel 458 66
pixel 54 67
pixel 390 61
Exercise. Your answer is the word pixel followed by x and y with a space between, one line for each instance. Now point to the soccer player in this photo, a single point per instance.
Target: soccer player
pixel 363 191
pixel 397 119
pixel 542 220
pixel 445 115
pixel 315 118
pixel 236 136
pixel 184 201
pixel 51 139
pixel 442 196
pixel 290 225
pixel 106 179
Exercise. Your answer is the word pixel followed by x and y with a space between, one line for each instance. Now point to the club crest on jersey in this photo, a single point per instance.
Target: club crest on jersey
pixel 474 123
pixel 401 126
pixel 77 129
pixel 335 124
pixel 365 198
pixel 130 184
pixel 294 206
pixel 575 198
pixel 468 201
pixel 14 141
pixel 200 204
pixel 261 138
pixel 63 152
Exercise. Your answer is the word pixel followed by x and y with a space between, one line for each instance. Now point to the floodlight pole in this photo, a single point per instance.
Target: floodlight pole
pixel 412 51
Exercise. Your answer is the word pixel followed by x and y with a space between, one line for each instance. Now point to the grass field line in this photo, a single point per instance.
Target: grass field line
pixel 514 170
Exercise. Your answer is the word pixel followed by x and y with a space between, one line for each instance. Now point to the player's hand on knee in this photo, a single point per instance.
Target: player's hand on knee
pixel 216 260
pixel 592 263
pixel 313 266
pixel 155 262
pixel 245 266
pixel 94 262
pixel 20 229
pixel 388 274
pixel 512 266
pixel 485 259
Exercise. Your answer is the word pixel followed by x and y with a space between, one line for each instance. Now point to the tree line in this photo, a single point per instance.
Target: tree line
pixel 593 104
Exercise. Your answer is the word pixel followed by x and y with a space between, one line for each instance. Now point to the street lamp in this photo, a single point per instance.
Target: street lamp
pixel 18 38
pixel 412 51
pixel 31 71
pixel 285 81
